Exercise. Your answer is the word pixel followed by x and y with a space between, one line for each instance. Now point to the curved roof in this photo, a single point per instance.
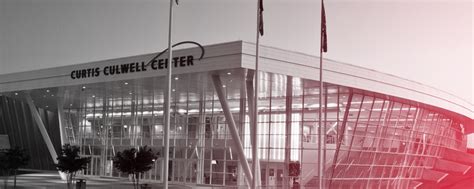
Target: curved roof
pixel 240 54
pixel 302 65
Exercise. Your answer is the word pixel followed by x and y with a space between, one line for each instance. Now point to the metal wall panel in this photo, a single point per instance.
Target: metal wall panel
pixel 17 123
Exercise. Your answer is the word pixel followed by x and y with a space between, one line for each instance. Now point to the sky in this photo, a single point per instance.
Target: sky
pixel 427 41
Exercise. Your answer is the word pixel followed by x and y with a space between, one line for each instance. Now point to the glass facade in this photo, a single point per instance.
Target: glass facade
pixel 370 140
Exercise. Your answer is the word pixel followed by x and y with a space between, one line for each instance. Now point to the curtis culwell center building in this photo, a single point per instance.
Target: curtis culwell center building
pixel 380 131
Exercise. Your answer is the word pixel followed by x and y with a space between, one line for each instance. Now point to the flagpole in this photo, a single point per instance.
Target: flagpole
pixel 255 104
pixel 321 83
pixel 167 102
pixel 321 164
pixel 255 160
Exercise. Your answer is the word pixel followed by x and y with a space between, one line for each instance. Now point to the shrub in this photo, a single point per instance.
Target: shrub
pixel 135 162
pixel 12 159
pixel 70 162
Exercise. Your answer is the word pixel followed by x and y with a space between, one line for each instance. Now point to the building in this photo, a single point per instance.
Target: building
pixel 379 131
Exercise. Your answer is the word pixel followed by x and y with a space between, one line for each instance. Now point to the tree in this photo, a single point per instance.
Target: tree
pixel 12 159
pixel 135 162
pixel 70 162
pixel 294 168
pixel 294 171
pixel 4 166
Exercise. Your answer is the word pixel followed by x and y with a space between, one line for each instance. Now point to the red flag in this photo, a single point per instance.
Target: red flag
pixel 324 37
pixel 260 15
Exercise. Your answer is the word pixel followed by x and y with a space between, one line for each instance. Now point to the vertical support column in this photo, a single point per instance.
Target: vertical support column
pixel 324 134
pixel 385 125
pixel 341 135
pixel 320 130
pixel 62 123
pixel 355 126
pixel 61 116
pixel 301 142
pixel 232 127
pixel 241 181
pixel 104 134
pixel 200 142
pixel 288 113
pixel 374 143
pixel 409 146
pixel 44 133
pixel 253 121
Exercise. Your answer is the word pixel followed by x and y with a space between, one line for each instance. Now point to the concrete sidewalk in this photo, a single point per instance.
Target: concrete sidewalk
pixel 51 180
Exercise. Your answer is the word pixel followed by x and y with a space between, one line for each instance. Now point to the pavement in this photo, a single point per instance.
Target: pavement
pixel 52 180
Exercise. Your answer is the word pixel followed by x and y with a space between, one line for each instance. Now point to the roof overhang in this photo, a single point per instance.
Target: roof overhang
pixel 241 54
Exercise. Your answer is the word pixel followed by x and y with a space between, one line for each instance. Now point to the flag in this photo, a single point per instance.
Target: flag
pixel 260 15
pixel 324 37
pixel 177 2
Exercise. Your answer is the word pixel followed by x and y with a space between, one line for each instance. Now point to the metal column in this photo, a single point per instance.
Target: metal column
pixel 288 114
pixel 232 127
pixel 44 133
pixel 61 117
pixel 253 121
